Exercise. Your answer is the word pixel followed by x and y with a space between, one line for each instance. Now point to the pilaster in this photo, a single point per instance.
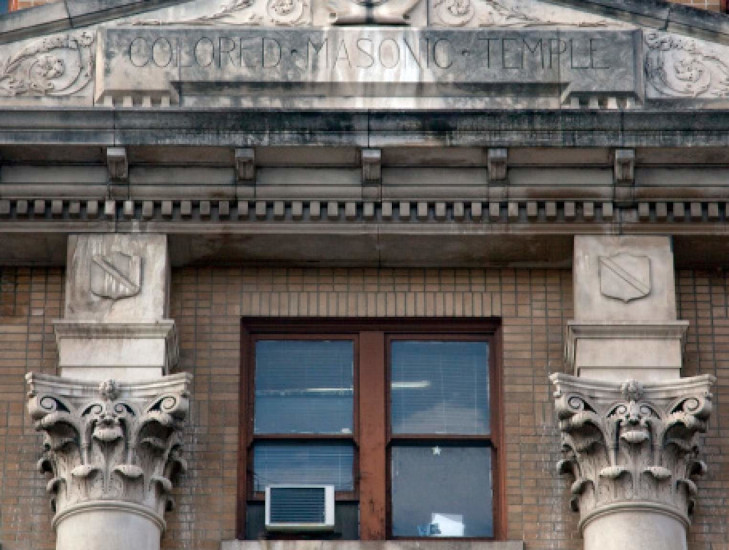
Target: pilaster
pixel 112 421
pixel 630 424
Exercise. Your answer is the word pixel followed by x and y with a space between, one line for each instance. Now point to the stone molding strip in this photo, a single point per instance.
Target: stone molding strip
pixel 73 215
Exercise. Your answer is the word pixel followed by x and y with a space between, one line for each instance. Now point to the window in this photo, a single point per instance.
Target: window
pixel 400 415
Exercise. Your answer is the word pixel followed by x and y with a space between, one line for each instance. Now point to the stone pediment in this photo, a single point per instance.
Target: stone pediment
pixel 411 54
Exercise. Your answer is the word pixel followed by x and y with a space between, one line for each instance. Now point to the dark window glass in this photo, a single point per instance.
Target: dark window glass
pixel 304 387
pixel 321 462
pixel 439 387
pixel 441 491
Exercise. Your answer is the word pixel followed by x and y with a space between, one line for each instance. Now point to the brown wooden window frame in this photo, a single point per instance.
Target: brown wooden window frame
pixel 371 437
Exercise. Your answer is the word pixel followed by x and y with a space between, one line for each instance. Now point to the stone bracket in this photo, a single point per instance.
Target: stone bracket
pixel 117 163
pixel 371 174
pixel 497 164
pixel 624 172
pixel 245 172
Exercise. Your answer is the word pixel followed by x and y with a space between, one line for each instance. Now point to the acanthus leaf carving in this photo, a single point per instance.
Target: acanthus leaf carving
pixel 53 66
pixel 680 67
pixel 635 443
pixel 97 439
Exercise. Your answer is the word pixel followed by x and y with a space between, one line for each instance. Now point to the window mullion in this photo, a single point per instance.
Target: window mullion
pixel 372 436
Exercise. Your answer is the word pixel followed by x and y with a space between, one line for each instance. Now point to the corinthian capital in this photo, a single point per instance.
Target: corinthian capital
pixel 632 445
pixel 111 445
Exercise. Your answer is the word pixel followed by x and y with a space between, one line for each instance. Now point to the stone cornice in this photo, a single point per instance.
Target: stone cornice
pixel 679 126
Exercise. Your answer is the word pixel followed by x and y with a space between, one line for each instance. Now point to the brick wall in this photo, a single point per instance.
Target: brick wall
pixel 29 300
pixel 207 304
pixel 711 5
pixel 14 5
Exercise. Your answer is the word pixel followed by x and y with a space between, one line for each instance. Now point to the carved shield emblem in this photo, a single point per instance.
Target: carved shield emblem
pixel 625 277
pixel 115 276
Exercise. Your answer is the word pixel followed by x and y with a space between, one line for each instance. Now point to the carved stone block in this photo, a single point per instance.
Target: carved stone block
pixel 112 451
pixel 117 278
pixel 633 451
pixel 619 279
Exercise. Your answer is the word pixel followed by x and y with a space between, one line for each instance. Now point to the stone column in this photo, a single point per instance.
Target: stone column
pixel 112 420
pixel 630 424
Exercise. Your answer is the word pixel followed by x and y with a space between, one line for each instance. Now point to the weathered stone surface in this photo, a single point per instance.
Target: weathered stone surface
pixel 556 64
pixel 117 278
pixel 619 279
pixel 616 351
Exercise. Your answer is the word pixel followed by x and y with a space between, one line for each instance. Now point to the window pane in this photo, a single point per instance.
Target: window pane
pixel 327 463
pixel 441 491
pixel 439 387
pixel 304 386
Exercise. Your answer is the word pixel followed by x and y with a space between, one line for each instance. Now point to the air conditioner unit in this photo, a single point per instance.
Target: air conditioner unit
pixel 300 508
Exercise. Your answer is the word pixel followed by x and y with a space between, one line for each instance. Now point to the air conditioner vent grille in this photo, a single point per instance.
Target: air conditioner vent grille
pixel 298 505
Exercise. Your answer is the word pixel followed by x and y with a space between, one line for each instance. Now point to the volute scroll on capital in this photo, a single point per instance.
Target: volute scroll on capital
pixel 632 444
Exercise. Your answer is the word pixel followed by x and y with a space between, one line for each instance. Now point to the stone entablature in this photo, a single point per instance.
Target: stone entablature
pixel 632 446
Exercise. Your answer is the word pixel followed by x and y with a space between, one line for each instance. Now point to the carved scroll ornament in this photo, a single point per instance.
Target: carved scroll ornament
pixel 497 13
pixel 680 67
pixel 284 13
pixel 110 441
pixel 53 66
pixel 632 444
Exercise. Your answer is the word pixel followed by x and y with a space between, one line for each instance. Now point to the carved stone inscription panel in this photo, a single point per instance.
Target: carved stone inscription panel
pixel 177 61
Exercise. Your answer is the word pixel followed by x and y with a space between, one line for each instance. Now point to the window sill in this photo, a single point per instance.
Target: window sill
pixel 421 544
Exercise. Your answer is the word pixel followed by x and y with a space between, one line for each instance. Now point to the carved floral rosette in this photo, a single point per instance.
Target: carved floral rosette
pixel 632 445
pixel 111 441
